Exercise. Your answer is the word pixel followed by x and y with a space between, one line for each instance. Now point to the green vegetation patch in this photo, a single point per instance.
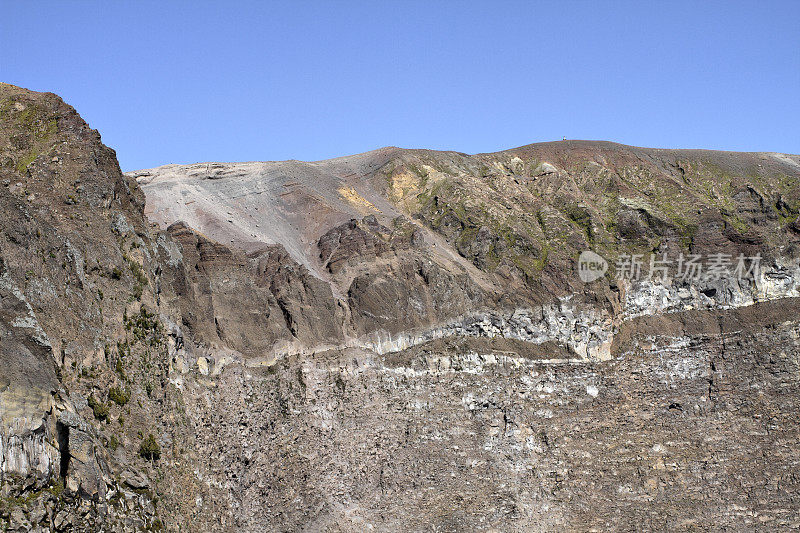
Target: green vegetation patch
pixel 119 396
pixel 149 448
pixel 99 408
pixel 145 327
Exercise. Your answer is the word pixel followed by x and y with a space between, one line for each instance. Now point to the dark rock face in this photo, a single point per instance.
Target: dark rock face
pixel 394 340
pixel 394 286
pixel 364 241
pixel 249 301
pixel 410 294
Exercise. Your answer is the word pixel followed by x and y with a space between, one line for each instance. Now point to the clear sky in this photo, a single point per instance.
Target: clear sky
pixel 181 82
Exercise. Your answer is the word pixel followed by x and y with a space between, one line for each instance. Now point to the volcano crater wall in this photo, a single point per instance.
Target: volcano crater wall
pixel 398 339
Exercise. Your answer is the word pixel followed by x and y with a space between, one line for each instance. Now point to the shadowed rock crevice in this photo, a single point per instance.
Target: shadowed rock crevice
pixel 62 435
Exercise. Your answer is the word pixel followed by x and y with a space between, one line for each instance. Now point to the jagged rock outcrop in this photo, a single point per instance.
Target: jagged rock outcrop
pixel 362 241
pixel 249 302
pixel 84 363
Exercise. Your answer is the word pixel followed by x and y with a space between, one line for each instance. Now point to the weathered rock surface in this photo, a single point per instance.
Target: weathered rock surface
pixel 691 426
pixel 397 340
pixel 77 277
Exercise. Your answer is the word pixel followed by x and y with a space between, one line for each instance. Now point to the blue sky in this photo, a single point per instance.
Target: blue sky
pixel 180 82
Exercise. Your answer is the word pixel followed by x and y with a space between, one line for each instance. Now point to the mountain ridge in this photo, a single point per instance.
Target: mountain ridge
pixel 570 143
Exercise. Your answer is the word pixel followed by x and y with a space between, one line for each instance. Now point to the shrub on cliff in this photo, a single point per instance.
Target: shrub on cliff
pixel 99 409
pixel 149 449
pixel 118 395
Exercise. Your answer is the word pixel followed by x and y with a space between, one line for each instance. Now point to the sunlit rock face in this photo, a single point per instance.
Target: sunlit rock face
pixel 397 340
pixel 665 431
pixel 26 379
pixel 771 283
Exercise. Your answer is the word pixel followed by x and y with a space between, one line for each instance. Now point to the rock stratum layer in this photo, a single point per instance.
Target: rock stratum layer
pixel 397 340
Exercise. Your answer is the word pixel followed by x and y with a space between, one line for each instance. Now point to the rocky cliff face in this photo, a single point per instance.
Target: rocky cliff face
pixel 84 375
pixel 400 339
